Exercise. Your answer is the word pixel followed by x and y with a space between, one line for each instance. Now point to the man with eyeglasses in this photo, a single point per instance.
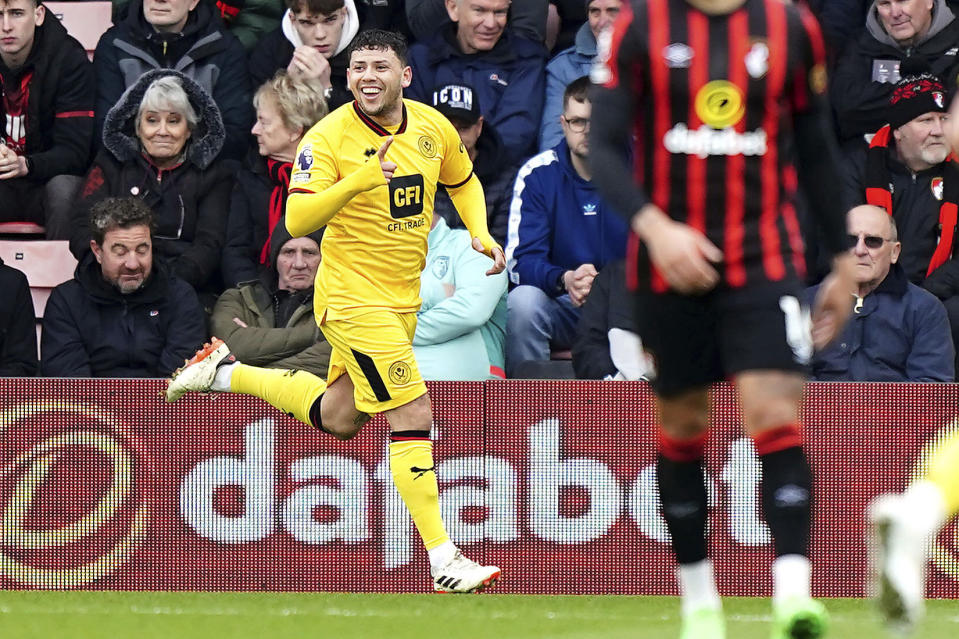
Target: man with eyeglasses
pixel 561 232
pixel 898 332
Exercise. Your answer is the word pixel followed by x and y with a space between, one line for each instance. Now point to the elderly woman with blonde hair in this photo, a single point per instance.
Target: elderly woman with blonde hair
pixel 161 143
pixel 285 110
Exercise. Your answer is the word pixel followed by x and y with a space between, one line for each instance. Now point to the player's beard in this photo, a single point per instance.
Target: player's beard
pixel 391 98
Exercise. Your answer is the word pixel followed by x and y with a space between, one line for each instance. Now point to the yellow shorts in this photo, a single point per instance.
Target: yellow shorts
pixel 376 350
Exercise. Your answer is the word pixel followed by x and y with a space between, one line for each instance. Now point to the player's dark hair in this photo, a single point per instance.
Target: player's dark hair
pixel 315 7
pixel 577 90
pixel 381 40
pixel 118 213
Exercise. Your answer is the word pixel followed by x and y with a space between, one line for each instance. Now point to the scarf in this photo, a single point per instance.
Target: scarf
pixel 878 193
pixel 279 173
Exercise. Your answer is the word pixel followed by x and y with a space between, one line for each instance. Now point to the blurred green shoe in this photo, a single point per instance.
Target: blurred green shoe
pixel 799 618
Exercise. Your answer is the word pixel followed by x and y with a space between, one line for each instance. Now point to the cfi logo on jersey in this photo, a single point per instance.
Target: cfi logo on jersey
pixel 757 60
pixel 936 187
pixel 304 159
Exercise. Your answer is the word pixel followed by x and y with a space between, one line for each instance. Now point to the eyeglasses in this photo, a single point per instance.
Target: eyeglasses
pixel 577 125
pixel 871 241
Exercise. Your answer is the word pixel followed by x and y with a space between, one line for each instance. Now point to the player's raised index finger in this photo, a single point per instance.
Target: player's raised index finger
pixel 386 144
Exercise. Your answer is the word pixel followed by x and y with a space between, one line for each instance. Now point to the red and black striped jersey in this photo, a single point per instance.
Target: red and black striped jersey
pixel 712 103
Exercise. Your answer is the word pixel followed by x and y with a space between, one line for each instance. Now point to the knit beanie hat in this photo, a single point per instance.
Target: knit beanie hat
pixel 917 93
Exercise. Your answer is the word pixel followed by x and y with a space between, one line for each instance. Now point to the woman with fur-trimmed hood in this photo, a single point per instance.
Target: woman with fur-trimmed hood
pixel 160 143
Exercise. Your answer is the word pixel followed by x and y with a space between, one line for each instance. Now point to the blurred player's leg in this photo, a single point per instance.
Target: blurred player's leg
pixel 682 492
pixel 904 526
pixel 770 402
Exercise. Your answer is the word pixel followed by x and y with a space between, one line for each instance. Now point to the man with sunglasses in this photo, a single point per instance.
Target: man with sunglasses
pixel 898 332
pixel 561 232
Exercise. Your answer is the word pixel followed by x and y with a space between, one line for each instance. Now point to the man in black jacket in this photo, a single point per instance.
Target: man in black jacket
pixel 18 332
pixel 123 314
pixel 869 68
pixel 46 84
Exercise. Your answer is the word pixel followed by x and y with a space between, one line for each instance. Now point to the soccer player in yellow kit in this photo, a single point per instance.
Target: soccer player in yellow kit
pixel 905 524
pixel 368 172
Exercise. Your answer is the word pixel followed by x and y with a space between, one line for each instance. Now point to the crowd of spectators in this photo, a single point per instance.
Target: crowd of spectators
pixel 166 161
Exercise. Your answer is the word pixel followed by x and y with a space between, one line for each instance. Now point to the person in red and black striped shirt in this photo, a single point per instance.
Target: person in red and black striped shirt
pixel 725 102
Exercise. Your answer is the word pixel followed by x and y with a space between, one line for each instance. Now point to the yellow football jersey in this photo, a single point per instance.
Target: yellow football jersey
pixel 374 248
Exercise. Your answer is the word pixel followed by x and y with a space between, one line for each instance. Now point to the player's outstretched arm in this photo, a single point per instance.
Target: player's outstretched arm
pixel 308 211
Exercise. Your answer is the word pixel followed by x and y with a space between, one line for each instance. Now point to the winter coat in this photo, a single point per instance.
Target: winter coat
pixel 557 222
pixel 190 202
pixel 566 66
pixel 496 172
pixel 275 51
pixel 90 329
pixel 59 110
pixel 298 345
pixel 898 333
pixel 860 87
pixel 509 81
pixel 916 211
pixel 461 326
pixel 205 52
pixel 18 325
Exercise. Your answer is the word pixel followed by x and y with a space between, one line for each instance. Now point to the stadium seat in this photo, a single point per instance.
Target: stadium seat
pixel 45 263
pixel 85 21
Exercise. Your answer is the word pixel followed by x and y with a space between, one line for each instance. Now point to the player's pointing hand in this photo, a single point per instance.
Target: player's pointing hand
pixel 388 167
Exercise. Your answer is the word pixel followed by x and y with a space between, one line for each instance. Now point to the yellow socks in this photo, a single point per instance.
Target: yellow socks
pixel 292 392
pixel 414 475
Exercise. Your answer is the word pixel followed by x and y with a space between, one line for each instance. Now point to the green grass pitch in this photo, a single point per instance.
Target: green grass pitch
pixel 168 615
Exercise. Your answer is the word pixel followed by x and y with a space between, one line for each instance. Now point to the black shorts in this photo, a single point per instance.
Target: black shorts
pixel 698 340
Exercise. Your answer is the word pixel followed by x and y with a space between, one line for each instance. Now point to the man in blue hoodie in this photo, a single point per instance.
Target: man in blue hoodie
pixel 560 234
